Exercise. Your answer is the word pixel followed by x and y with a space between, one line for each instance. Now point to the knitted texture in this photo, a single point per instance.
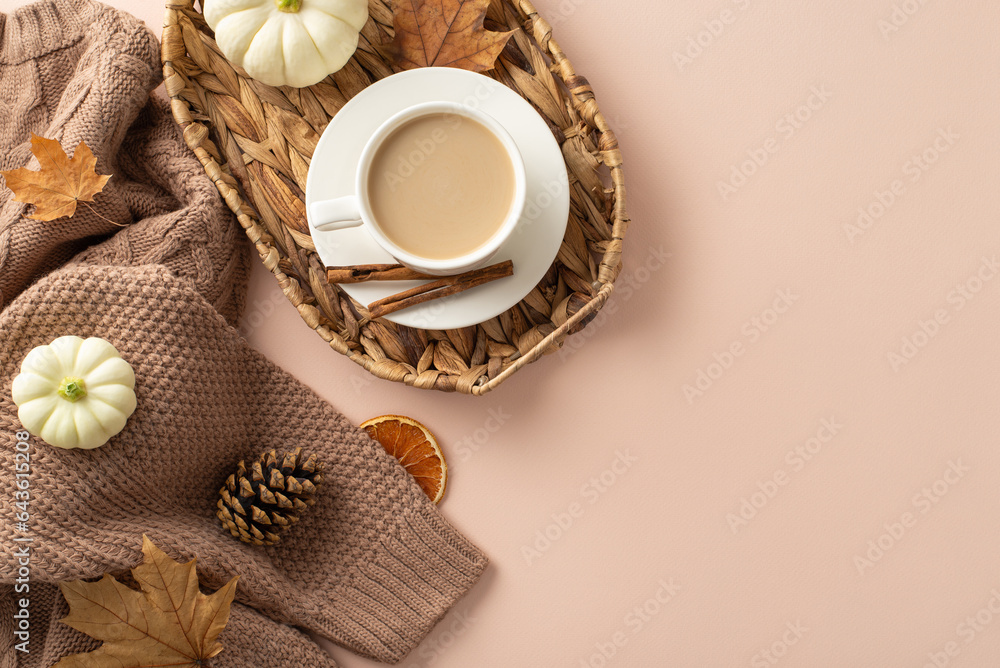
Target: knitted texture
pixel 372 566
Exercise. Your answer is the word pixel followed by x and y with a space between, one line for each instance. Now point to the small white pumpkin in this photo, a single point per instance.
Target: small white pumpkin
pixel 287 42
pixel 74 393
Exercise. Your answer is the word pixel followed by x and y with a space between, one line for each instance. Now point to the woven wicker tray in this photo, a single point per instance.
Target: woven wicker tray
pixel 258 153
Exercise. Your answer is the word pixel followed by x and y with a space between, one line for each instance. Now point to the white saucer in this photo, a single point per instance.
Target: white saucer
pixel 532 246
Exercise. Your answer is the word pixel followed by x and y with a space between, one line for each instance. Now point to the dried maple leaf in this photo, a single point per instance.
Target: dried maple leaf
pixel 169 623
pixel 444 33
pixel 60 182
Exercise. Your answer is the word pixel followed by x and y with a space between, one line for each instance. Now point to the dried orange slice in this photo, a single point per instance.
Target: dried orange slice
pixel 416 449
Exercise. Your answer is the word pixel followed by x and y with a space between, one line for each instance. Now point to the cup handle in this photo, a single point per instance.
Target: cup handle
pixel 335 214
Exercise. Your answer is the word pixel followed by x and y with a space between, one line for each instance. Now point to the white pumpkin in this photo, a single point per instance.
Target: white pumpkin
pixel 74 393
pixel 287 42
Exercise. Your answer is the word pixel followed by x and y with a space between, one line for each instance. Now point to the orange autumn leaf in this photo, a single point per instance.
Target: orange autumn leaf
pixel 444 33
pixel 59 183
pixel 169 623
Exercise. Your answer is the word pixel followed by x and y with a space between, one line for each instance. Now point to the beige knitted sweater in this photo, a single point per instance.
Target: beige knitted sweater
pixel 372 566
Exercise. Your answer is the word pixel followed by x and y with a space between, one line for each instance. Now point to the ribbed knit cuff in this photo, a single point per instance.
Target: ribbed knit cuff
pixel 424 567
pixel 43 27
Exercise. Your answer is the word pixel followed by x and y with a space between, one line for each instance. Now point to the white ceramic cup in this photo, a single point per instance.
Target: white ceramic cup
pixel 355 210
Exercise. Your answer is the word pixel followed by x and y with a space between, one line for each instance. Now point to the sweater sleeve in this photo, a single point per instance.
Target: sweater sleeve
pixel 390 565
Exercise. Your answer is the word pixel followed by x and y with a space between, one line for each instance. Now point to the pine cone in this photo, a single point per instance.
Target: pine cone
pixel 259 503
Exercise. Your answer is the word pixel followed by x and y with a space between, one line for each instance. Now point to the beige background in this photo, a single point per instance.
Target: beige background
pixel 908 458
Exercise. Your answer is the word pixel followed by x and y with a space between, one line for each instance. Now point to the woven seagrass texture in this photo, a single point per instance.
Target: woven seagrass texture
pixel 255 142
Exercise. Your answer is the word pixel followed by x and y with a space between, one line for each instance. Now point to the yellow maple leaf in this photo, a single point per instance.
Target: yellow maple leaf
pixel 60 182
pixel 444 33
pixel 169 623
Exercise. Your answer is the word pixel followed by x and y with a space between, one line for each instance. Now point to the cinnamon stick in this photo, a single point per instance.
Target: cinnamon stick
pixel 360 273
pixel 443 287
